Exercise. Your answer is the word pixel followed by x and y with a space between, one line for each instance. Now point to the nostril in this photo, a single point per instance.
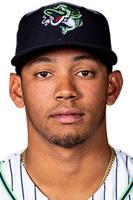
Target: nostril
pixel 72 97
pixel 65 97
pixel 59 97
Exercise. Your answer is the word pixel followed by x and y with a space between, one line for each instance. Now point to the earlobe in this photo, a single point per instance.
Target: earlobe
pixel 114 86
pixel 15 90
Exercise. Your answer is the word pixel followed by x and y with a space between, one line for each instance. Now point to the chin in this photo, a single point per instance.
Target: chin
pixel 67 141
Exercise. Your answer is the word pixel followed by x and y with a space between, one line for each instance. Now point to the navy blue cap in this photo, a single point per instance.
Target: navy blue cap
pixel 63 25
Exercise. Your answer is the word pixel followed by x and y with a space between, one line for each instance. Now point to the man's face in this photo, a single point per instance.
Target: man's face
pixel 65 96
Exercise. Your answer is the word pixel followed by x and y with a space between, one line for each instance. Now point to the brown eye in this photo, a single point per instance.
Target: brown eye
pixel 85 73
pixel 43 74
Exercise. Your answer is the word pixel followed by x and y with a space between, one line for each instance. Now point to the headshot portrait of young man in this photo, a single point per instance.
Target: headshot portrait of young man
pixel 65 79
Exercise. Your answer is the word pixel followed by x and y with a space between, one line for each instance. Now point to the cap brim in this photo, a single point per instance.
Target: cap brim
pixel 107 56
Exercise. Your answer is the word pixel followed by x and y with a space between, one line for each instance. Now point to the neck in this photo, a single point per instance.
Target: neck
pixel 50 166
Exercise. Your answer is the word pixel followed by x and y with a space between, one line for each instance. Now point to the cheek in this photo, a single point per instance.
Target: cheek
pixel 95 89
pixel 37 94
pixel 95 94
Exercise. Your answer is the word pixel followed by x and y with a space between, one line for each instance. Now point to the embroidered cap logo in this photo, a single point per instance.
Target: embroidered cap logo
pixel 63 16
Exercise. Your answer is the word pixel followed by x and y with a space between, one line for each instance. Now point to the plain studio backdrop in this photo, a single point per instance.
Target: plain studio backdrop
pixel 13 131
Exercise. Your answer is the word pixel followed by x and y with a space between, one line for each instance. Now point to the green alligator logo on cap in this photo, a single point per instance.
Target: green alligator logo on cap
pixel 63 16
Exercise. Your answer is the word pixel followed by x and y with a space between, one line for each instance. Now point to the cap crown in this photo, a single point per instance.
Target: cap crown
pixel 63 24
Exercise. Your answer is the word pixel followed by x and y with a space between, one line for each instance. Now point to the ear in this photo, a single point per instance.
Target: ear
pixel 114 86
pixel 15 90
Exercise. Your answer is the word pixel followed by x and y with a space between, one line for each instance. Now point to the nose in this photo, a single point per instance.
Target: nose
pixel 66 89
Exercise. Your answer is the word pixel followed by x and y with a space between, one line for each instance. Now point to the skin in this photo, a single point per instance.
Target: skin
pixel 65 93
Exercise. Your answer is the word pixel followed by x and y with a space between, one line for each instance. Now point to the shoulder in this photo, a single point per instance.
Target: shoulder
pixel 124 161
pixel 10 160
pixel 10 166
pixel 124 156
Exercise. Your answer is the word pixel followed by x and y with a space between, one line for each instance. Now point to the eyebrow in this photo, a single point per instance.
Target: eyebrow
pixel 41 59
pixel 85 57
pixel 47 59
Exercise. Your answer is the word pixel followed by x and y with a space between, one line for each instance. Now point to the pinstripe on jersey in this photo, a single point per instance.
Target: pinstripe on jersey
pixel 14 179
pixel 6 187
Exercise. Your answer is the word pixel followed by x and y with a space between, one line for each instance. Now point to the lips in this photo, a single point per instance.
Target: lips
pixel 67 115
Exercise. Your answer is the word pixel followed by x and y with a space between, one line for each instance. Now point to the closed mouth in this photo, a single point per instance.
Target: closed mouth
pixel 67 115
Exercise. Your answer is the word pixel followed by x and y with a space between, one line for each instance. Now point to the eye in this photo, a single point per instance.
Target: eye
pixel 85 73
pixel 43 74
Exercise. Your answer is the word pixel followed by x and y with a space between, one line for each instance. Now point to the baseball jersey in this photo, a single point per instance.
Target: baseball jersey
pixel 15 183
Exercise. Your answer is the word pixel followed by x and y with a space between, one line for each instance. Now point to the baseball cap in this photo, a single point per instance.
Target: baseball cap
pixel 63 25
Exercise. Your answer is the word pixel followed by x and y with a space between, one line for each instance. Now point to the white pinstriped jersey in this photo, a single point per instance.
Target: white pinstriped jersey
pixel 15 184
